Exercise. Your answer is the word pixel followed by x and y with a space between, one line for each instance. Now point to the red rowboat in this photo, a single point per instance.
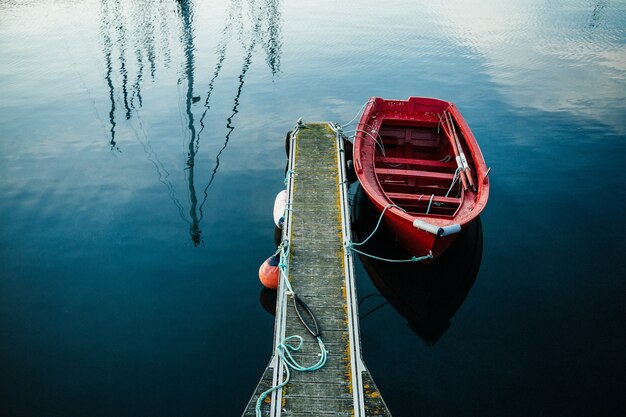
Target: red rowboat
pixel 421 166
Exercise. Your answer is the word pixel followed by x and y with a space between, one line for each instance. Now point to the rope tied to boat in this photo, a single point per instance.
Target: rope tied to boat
pixel 454 180
pixel 357 114
pixel 430 203
pixel 372 137
pixel 350 245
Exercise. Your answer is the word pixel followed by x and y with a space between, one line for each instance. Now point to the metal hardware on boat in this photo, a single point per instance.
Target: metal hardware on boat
pixel 487 174
pixel 448 128
pixel 437 230
pixel 357 164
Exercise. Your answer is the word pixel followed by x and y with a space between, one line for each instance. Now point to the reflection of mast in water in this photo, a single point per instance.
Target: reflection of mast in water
pixel 115 34
pixel 187 16
pixel 163 37
pixel 137 84
pixel 221 51
pixel 221 56
pixel 149 30
pixel 272 44
pixel 598 13
pixel 246 65
pixel 107 50
pixel 265 19
pixel 144 36
pixel 194 142
pixel 121 36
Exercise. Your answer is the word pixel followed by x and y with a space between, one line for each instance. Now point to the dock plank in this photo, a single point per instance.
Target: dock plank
pixel 317 273
pixel 315 208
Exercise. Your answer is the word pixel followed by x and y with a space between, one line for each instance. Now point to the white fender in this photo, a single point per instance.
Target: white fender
pixel 436 230
pixel 279 208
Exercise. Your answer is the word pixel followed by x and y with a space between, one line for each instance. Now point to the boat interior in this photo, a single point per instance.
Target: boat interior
pixel 416 168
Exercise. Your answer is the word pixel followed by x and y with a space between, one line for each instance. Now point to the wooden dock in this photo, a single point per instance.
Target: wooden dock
pixel 321 273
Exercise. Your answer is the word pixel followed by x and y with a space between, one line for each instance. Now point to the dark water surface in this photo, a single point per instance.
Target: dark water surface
pixel 141 147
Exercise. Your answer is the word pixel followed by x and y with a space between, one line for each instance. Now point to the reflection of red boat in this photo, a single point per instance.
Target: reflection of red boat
pixel 418 159
pixel 428 296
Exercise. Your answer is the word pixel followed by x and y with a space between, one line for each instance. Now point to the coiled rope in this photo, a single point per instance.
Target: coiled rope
pixel 285 348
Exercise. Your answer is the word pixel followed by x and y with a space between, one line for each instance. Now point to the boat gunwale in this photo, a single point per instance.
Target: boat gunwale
pixel 379 195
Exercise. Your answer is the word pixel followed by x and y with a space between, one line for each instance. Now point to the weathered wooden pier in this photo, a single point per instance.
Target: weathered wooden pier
pixel 321 273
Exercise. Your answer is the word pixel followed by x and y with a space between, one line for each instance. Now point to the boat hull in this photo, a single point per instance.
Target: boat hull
pixel 409 165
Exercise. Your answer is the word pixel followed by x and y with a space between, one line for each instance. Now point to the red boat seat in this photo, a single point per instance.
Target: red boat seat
pixel 416 162
pixel 410 173
pixel 424 198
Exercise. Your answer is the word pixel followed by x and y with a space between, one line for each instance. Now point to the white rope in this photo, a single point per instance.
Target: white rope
pixel 358 113
pixel 430 202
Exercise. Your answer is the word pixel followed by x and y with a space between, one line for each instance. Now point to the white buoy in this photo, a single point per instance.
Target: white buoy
pixel 436 230
pixel 279 208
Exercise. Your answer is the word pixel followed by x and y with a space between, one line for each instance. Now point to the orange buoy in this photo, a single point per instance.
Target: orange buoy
pixel 269 272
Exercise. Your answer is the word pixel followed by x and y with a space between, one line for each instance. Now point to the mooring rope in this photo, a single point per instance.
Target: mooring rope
pixel 380 144
pixel 288 175
pixel 412 259
pixel 350 245
pixel 358 113
pixel 285 348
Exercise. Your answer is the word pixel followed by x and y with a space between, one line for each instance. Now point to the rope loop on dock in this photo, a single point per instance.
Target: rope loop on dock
pixel 284 350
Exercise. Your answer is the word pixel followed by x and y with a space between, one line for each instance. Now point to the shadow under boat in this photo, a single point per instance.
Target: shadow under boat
pixel 428 296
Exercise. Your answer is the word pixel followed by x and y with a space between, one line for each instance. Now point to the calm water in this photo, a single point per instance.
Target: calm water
pixel 141 147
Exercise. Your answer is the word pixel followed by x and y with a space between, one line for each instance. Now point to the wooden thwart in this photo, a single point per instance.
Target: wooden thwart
pixel 321 273
pixel 423 197
pixel 415 162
